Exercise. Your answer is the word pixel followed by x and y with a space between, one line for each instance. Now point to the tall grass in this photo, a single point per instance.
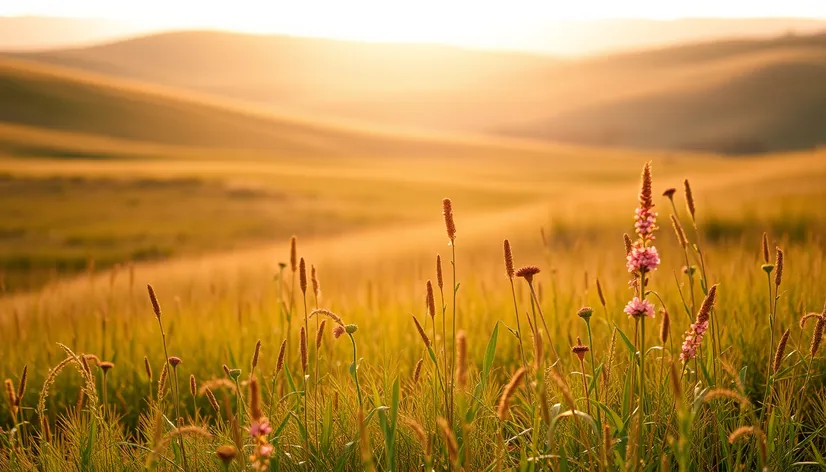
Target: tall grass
pixel 390 395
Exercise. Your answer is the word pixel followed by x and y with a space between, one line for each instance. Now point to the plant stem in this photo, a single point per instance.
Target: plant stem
pixel 519 338
pixel 544 324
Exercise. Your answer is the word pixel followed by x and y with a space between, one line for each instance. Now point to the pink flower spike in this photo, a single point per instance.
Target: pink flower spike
pixel 637 308
pixel 643 259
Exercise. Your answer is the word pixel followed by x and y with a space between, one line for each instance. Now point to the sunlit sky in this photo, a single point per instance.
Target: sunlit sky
pixel 452 21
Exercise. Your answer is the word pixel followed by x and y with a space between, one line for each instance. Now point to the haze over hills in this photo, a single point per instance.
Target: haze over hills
pixel 734 96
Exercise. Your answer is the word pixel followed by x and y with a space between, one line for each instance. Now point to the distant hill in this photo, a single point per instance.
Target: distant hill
pixel 27 33
pixel 734 96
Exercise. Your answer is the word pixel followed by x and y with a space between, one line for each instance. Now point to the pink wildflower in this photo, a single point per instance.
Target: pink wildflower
pixel 693 338
pixel 637 308
pixel 266 450
pixel 643 259
pixel 646 223
pixel 260 429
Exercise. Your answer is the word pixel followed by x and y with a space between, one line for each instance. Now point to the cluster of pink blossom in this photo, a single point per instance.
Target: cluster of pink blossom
pixel 643 259
pixel 261 450
pixel 637 308
pixel 645 223
pixel 693 338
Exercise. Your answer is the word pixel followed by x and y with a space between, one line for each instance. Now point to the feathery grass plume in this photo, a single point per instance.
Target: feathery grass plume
pixel 765 248
pixel 11 395
pixel 817 336
pixel 563 387
pixel 628 244
pixel 665 326
pixel 148 368
pixel 580 349
pixel 527 272
pixel 607 445
pixel 669 193
pixel 162 381
pixel 255 399
pixel 217 383
pixel 678 230
pixel 447 212
pixel 461 359
pixel 718 393
pixel 302 276
pixel 319 335
pixel 314 281
pixel 255 354
pixel 440 281
pixel 156 307
pixel 327 313
pixel 430 301
pixel 732 372
pixel 418 430
pixel 601 295
pixel 778 264
pixel 226 454
pixel 508 260
pixel 508 393
pixel 44 391
pixel 450 440
pixel 744 431
pixel 293 254
pixel 212 400
pixel 89 387
pixel 421 332
pixel 689 200
pixel 781 350
pixel 21 385
pixel 303 346
pixel 91 357
pixel 281 353
pixel 417 371
pixel 806 317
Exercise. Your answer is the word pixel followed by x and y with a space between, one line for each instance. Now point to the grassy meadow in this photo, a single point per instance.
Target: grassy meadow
pixel 110 186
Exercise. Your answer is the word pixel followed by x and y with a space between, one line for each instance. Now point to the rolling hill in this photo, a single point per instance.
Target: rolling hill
pixel 735 96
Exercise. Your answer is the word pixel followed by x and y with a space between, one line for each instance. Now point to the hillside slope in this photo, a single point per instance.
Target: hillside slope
pixel 678 97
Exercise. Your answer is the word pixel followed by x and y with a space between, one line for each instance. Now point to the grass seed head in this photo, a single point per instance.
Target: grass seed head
pixel 665 326
pixel 689 200
pixel 156 307
pixel 281 353
pixel 447 212
pixel 440 281
pixel 509 270
pixel 421 332
pixel 527 272
pixel 148 368
pixel 628 244
pixel 765 248
pixel 255 400
pixel 255 354
pixel 302 276
pixel 508 393
pixel 461 359
pixel 21 385
pixel 678 230
pixel 450 440
pixel 293 254
pixel 417 371
pixel 645 198
pixel 10 394
pixel 162 381
pixel 193 386
pixel 212 400
pixel 817 336
pixel 778 264
pixel 601 295
pixel 314 280
pixel 745 431
pixel 226 453
pixel 708 305
pixel 781 350
pixel 430 300
pixel 319 335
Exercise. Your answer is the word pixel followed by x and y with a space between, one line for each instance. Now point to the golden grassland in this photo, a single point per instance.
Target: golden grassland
pixel 216 307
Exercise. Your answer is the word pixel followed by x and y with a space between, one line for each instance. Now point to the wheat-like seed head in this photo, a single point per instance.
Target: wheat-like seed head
pixel 609 365
pixel 744 431
pixel 293 254
pixel 430 301
pixel 417 371
pixel 212 400
pixel 817 336
pixel 509 270
pixel 327 313
pixel 665 326
pixel 725 393
pixel 319 335
pixel 508 393
pixel 440 281
pixel 11 395
pixel 708 305
pixel 689 200
pixel 678 230
pixel 765 248
pixel 778 264
pixel 417 430
pixel 156 307
pixel 601 295
pixel 447 212
pixel 181 431
pixel 781 350
pixel 255 400
pixel 162 381
pixel 21 384
pixel 302 276
pixel 148 368
pixel 255 354
pixel 628 244
pixel 646 200
pixel 314 281
pixel 421 332
pixel 44 391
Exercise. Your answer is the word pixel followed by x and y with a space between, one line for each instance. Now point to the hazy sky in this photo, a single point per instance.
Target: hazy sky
pixel 459 21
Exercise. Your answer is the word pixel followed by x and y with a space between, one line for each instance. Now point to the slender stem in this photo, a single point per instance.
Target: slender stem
pixel 766 391
pixel 175 390
pixel 593 369
pixel 453 356
pixel 519 338
pixel 585 385
pixel 544 324
pixel 355 367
